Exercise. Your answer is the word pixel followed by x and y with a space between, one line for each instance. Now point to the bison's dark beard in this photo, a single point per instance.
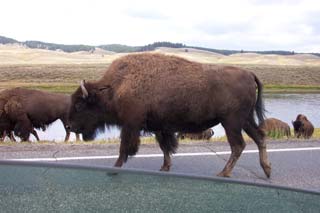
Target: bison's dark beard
pixel 90 134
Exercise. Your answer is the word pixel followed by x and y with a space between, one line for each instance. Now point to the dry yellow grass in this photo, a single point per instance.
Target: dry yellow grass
pixel 66 77
pixel 17 54
pixel 242 58
pixel 62 72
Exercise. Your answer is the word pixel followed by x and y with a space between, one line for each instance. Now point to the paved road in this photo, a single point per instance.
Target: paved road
pixel 294 163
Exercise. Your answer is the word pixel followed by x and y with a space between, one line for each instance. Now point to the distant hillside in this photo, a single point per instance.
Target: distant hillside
pixel 119 48
pixel 5 40
pixel 52 46
pixel 230 52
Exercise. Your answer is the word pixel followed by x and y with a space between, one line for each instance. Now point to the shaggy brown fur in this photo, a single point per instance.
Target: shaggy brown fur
pixel 204 135
pixel 167 94
pixel 25 109
pixel 6 127
pixel 302 127
pixel 273 125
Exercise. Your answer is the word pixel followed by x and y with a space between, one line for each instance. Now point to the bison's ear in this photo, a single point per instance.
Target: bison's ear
pixel 107 89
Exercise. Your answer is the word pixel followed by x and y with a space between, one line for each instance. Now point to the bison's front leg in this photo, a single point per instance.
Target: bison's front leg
pixel 11 136
pixel 168 144
pixel 77 137
pixel 129 144
pixel 66 139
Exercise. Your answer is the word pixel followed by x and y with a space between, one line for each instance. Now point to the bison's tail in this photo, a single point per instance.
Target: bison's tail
pixel 260 109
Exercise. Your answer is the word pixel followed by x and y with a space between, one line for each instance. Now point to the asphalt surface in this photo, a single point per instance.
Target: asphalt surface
pixel 294 163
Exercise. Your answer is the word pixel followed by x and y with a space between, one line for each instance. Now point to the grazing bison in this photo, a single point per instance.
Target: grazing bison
pixel 167 94
pixel 203 135
pixel 302 127
pixel 26 109
pixel 273 126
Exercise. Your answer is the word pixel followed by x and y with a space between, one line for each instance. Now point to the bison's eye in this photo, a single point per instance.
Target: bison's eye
pixel 79 106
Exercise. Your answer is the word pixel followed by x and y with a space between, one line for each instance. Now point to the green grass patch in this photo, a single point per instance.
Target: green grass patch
pixel 66 88
pixel 69 88
pixel 152 140
pixel 276 134
pixel 60 88
pixel 273 88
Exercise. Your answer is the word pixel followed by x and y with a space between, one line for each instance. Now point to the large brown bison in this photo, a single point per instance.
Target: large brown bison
pixel 273 126
pixel 26 109
pixel 302 127
pixel 203 135
pixel 167 94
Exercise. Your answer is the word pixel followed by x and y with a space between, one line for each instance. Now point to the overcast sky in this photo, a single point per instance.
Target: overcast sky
pixel 292 25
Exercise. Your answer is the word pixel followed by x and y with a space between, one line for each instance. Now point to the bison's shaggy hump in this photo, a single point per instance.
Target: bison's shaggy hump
pixel 140 72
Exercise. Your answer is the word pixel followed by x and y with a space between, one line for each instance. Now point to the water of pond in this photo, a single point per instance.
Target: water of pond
pixel 282 106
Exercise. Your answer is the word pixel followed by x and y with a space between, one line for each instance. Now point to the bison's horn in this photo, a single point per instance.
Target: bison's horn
pixel 84 90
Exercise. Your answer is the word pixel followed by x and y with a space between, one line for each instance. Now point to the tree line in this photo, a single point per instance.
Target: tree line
pixel 119 48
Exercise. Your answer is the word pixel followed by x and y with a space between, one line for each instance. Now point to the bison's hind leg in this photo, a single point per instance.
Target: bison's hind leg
pixel 258 136
pixel 237 144
pixel 168 144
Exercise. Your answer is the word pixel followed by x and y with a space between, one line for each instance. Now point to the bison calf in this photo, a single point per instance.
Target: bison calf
pixel 302 127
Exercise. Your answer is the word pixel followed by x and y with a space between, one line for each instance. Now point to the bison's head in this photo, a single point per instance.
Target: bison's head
pixel 89 109
pixel 297 125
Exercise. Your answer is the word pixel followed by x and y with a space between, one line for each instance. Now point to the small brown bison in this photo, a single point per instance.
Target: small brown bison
pixel 273 126
pixel 167 94
pixel 26 109
pixel 203 135
pixel 302 127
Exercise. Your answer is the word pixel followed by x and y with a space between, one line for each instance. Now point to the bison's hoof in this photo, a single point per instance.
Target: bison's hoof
pixel 267 170
pixel 224 174
pixel 165 169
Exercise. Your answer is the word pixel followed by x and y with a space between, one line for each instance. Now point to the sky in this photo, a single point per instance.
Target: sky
pixel 292 25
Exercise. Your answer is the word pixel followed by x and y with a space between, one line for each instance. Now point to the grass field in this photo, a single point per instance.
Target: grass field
pixel 66 77
pixel 61 72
